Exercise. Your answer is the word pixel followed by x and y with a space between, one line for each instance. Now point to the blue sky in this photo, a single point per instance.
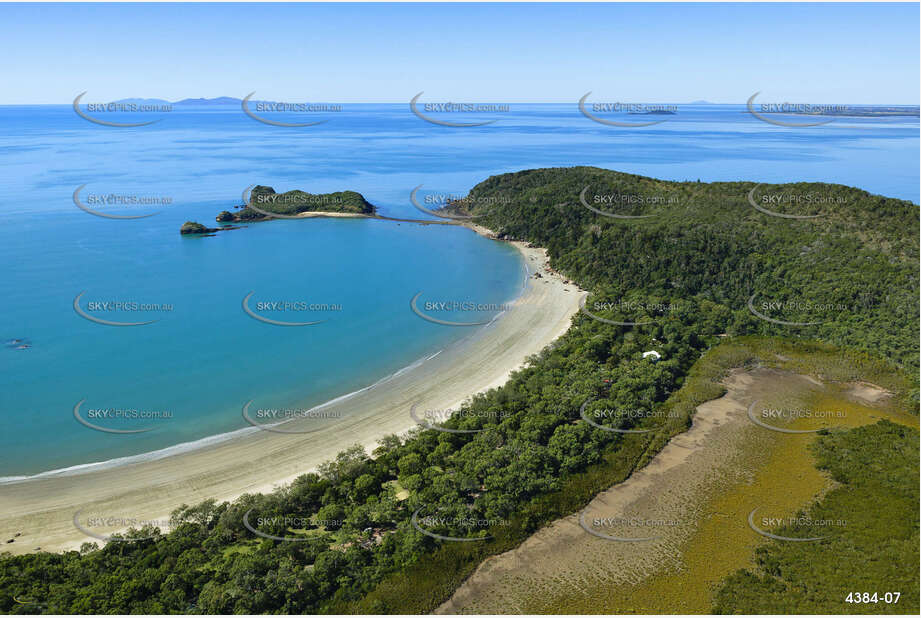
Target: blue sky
pixel 843 53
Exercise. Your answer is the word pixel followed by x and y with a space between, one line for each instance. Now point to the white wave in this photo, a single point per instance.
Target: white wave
pixel 185 447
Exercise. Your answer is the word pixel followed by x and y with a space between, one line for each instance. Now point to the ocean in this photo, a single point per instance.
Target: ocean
pixel 185 378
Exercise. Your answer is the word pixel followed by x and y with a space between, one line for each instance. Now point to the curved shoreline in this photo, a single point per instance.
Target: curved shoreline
pixel 42 508
pixel 236 434
pixel 193 445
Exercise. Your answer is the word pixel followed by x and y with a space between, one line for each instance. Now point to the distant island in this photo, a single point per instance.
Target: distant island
pixel 192 102
pixel 853 111
pixel 214 101
pixel 196 228
pixel 263 200
pixel 654 112
pixel 199 102
pixel 142 101
pixel 265 204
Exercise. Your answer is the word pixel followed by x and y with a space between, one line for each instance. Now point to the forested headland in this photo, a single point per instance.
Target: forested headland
pixel 683 268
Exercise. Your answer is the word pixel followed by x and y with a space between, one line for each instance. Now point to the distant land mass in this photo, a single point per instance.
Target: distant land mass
pixel 265 204
pixel 196 228
pixel 214 101
pixel 654 112
pixel 144 101
pixel 199 102
pixel 293 203
pixel 855 111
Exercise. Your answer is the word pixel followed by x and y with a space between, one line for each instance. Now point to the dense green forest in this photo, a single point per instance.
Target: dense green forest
pixel 688 274
pixel 262 199
pixel 877 466
pixel 853 268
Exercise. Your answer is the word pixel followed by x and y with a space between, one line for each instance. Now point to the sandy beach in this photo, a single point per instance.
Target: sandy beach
pixel 343 215
pixel 42 510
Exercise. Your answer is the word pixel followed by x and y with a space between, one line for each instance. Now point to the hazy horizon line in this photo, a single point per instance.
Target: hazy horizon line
pixel 449 99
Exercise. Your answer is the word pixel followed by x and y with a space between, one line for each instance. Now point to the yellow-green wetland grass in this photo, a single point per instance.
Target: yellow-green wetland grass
pixel 662 540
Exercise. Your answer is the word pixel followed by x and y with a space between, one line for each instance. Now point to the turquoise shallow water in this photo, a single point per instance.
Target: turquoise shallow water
pixel 204 358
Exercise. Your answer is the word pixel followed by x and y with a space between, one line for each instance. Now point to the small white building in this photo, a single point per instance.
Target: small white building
pixel 653 354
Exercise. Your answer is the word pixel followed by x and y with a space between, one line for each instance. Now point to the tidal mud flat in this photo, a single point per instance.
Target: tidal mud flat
pixel 681 520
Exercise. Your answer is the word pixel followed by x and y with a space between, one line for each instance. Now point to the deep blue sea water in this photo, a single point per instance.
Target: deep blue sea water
pixel 204 358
